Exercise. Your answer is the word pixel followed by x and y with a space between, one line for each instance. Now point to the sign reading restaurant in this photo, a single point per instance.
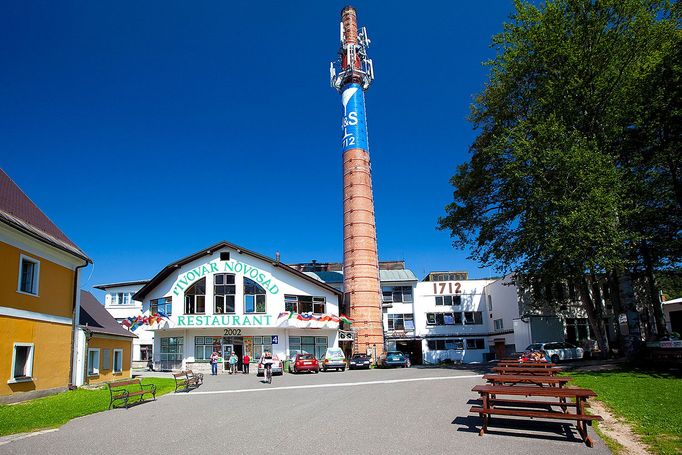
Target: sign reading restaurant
pixel 224 320
pixel 188 278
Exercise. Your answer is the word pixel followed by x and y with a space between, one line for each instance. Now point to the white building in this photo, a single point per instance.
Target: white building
pixel 230 299
pixel 453 321
pixel 118 301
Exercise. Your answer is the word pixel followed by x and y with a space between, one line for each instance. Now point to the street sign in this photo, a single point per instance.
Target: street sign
pixel 275 339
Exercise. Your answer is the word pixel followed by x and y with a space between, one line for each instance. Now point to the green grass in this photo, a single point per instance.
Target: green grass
pixel 650 401
pixel 56 410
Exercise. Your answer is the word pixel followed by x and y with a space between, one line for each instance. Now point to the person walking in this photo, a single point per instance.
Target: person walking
pixel 246 361
pixel 214 363
pixel 233 363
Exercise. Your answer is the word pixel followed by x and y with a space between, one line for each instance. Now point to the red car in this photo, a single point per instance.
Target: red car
pixel 304 362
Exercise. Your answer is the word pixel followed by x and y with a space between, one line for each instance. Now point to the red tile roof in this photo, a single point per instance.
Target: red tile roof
pixel 99 320
pixel 18 211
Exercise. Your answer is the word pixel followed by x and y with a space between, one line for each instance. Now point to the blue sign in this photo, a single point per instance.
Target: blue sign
pixel 354 122
pixel 275 339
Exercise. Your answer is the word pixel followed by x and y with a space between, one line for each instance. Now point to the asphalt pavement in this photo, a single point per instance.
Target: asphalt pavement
pixel 415 410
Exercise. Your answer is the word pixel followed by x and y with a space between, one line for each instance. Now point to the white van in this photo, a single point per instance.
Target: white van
pixel 333 359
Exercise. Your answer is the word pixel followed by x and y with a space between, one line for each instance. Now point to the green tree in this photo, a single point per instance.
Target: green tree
pixel 545 194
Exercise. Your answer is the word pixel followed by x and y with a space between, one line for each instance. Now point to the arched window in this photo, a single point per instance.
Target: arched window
pixel 195 298
pixel 254 297
pixel 224 290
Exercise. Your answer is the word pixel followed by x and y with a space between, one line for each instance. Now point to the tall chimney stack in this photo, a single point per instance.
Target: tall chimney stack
pixel 362 289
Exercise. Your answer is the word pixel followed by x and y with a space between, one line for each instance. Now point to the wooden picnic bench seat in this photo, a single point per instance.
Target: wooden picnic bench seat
pixel 125 389
pixel 526 364
pixel 489 395
pixel 540 380
pixel 529 371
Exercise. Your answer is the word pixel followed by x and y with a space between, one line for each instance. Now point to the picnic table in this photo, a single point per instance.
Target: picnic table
pixel 551 371
pixel 558 381
pixel 513 407
pixel 526 364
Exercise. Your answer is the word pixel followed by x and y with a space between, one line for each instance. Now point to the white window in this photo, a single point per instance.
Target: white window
pixel 29 274
pixel 118 360
pixel 499 324
pixel 93 362
pixel 22 362
pixel 120 298
pixel 490 303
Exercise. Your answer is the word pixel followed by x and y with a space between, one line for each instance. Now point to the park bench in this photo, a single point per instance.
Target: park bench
pixel 490 403
pixel 127 388
pixel 559 381
pixel 552 371
pixel 194 379
pixel 186 380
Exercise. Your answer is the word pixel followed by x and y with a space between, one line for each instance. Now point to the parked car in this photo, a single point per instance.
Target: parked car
pixel 276 366
pixel 303 362
pixel 333 359
pixel 392 359
pixel 359 361
pixel 557 351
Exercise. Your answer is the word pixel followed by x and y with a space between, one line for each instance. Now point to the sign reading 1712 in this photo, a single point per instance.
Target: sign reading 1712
pixel 354 123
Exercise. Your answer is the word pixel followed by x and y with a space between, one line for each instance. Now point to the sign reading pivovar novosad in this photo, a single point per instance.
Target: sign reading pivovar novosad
pixel 186 279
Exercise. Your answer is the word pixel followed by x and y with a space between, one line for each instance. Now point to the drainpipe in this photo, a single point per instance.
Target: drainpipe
pixel 74 319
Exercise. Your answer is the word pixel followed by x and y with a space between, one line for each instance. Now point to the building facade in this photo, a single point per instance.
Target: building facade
pixel 39 273
pixel 226 298
pixel 105 347
pixel 118 301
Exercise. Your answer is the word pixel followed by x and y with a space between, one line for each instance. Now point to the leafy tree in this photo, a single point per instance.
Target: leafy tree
pixel 545 194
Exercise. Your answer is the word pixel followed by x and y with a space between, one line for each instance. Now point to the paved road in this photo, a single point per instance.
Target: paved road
pixel 380 411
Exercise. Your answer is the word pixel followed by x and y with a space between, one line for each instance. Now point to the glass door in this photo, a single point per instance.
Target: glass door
pixel 227 351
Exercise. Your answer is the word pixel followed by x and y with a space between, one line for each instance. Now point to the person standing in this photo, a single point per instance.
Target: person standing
pixel 246 361
pixel 214 363
pixel 233 363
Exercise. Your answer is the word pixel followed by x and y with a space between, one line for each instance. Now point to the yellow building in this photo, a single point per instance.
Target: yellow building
pixel 39 273
pixel 107 346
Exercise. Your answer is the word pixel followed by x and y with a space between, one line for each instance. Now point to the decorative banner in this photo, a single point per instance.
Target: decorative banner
pixel 307 320
pixel 354 122
pixel 134 323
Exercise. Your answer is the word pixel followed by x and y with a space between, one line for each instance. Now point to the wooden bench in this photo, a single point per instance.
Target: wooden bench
pixel 186 380
pixel 540 380
pixel 194 380
pixel 127 388
pixel 528 371
pixel 489 395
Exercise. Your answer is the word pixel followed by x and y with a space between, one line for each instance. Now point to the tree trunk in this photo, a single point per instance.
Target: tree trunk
pixel 592 318
pixel 633 338
pixel 653 290
pixel 599 312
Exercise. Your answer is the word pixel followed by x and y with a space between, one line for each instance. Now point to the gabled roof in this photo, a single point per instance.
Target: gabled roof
pixel 385 276
pixel 170 268
pixel 106 286
pixel 19 212
pixel 97 319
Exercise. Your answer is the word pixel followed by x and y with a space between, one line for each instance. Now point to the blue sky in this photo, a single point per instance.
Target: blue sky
pixel 149 130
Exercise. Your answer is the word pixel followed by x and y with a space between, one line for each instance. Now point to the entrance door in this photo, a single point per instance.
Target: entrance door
pixel 227 350
pixel 239 350
pixel 500 349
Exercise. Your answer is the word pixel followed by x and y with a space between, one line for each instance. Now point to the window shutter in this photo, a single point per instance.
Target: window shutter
pixel 106 359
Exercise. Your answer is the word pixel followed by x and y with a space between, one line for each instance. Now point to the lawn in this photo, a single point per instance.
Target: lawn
pixel 650 401
pixel 56 410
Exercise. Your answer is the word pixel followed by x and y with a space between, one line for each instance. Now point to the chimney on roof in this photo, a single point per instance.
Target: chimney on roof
pixel 277 257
